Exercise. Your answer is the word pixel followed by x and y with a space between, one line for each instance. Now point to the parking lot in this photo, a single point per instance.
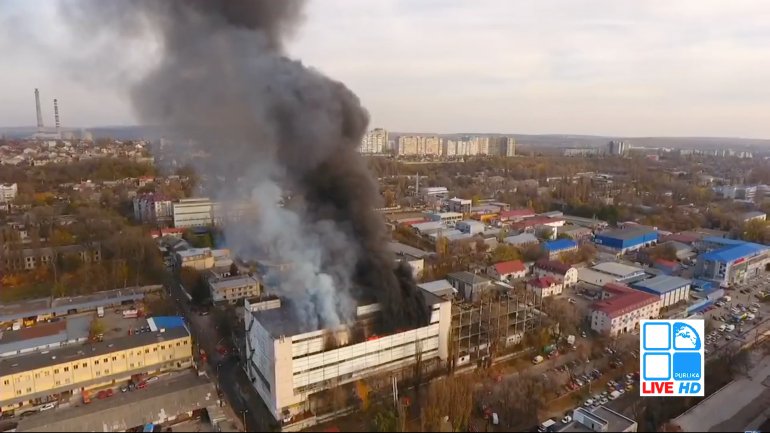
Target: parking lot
pixel 743 318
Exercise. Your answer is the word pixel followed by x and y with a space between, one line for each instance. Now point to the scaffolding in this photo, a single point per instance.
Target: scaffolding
pixel 485 329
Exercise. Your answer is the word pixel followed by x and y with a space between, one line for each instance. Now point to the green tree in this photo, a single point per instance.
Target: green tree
pixel 504 253
pixel 756 231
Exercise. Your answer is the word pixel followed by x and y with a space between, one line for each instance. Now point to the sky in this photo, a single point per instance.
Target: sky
pixel 607 67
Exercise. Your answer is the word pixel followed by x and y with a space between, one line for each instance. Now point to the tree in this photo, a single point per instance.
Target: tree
pixel 195 284
pixel 386 421
pixel 504 253
pixel 452 397
pixel 756 231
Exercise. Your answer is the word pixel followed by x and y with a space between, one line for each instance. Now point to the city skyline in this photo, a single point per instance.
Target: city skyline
pixel 604 68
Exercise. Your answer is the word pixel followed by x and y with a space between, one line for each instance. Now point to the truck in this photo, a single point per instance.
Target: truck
pixel 546 425
pixel 100 312
pixel 537 360
pixel 130 314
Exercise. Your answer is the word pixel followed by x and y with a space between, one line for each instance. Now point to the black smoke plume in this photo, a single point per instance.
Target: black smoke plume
pixel 269 125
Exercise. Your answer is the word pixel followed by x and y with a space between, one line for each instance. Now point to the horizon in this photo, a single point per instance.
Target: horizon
pixel 652 70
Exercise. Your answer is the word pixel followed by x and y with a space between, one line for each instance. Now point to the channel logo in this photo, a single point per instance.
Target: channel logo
pixel 672 358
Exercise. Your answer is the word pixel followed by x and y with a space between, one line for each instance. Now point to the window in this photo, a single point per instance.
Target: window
pixel 131 365
pixel 18 392
pixel 98 373
pixel 66 369
pixel 114 358
pixel 58 383
pixel 85 364
pixel 178 343
pixel 106 360
pixel 29 390
pixel 37 375
pixel 162 347
pixel 75 367
pixel 146 350
pixel 154 349
pixel 55 371
pixel 185 343
pixel 96 362
pixel 6 382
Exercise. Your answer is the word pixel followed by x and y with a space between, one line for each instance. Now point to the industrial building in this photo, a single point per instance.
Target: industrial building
pixel 470 227
pixel 193 212
pixel 621 272
pixel 414 257
pixel 31 258
pixel 729 261
pixel 515 214
pixel 231 289
pixel 46 336
pixel 446 218
pixel 621 309
pixel 521 240
pixel 630 239
pixel 36 310
pixel 36 378
pixel 203 258
pixel 293 369
pixel 559 246
pixel 598 419
pixel 671 290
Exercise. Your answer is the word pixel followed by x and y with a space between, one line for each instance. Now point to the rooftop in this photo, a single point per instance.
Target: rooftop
pixel 70 353
pixel 35 307
pixel 170 396
pixel 661 284
pixel 523 238
pixel 510 267
pixel 734 252
pixel 560 244
pixel 627 234
pixel 402 249
pixel 543 282
pixel 554 266
pixel 236 281
pixel 618 269
pixel 516 213
pixel 468 277
pixel 623 301
pixel 438 287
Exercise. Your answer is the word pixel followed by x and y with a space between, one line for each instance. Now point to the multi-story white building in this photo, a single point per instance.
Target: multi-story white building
pixel 621 309
pixel 375 141
pixel 8 193
pixel 466 146
pixel 193 212
pixel 291 366
pixel 234 288
pixel 153 208
pixel 510 147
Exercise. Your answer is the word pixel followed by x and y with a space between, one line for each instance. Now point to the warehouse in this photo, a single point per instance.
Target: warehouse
pixel 623 240
pixel 730 261
pixel 671 290
pixel 559 246
pixel 621 272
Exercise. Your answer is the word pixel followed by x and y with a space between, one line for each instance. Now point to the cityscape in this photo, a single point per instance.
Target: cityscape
pixel 257 249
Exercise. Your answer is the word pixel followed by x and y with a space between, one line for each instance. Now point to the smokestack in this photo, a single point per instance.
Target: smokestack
pixel 39 112
pixel 56 114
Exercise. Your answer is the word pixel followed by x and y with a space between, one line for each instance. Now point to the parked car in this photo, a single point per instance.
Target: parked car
pixel 105 393
pixel 566 420
pixel 47 406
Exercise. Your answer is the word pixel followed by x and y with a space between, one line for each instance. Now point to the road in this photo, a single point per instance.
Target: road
pixel 226 372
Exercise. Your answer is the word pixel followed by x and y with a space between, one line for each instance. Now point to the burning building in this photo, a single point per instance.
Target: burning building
pixel 293 368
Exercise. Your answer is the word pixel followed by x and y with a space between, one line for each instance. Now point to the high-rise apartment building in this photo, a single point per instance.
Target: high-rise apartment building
pixel 375 141
pixel 616 147
pixel 419 145
pixel 509 147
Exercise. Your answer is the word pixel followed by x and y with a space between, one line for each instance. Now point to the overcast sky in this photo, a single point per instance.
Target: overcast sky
pixel 611 67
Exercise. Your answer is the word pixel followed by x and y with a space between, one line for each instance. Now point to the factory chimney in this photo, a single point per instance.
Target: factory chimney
pixel 56 114
pixel 39 113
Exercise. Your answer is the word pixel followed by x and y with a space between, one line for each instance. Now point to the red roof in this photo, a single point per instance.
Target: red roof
pixel 666 263
pixel 510 267
pixel 543 282
pixel 554 266
pixel 624 300
pixel 516 213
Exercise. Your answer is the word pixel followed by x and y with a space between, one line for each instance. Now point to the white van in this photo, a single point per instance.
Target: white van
pixel 722 327
pixel 546 425
pixel 100 312
pixel 730 328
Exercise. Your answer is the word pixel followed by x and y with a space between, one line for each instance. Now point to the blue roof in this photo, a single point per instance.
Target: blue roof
pixel 661 284
pixel 723 241
pixel 166 322
pixel 734 252
pixel 560 244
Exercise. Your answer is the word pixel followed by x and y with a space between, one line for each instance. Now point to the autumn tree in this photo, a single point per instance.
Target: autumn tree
pixel 756 230
pixel 96 329
pixel 452 397
pixel 504 253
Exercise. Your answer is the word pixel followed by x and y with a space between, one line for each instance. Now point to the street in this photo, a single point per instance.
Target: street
pixel 226 372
